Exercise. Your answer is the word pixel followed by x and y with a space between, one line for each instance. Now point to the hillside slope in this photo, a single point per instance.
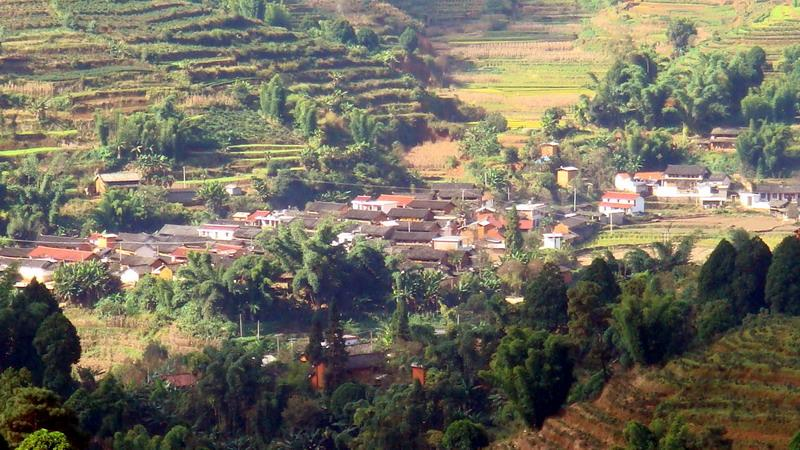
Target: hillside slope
pixel 748 382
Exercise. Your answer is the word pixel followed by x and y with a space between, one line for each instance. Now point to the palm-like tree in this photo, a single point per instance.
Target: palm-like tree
pixel 201 281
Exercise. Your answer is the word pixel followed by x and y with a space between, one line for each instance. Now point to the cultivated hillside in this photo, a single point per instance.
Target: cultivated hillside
pixel 748 382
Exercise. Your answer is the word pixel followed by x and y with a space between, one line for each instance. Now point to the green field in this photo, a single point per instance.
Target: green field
pixel 32 151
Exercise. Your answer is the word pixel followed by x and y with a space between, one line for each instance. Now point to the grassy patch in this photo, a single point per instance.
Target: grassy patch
pixel 30 151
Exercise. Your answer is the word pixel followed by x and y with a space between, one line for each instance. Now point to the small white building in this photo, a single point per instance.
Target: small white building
pixel 233 190
pixel 531 211
pixel 552 241
pixel 218 232
pixel 621 202
pixel 624 182
pixel 447 243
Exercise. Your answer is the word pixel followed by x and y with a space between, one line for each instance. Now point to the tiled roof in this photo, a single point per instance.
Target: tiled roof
pixel 402 200
pixel 61 254
pixel 120 177
pixel 621 195
pixel 616 205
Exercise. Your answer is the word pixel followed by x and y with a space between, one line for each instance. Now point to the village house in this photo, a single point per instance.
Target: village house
pixel 367 203
pixel 40 270
pixel 410 215
pixel 457 191
pixel 131 275
pixel 240 216
pixel 552 241
pixel 75 243
pixel 413 237
pixel 447 243
pixel 761 194
pixel 326 208
pixel 115 180
pixel 533 212
pixel 624 182
pixel 621 202
pixel 234 190
pixel 364 216
pixel 681 180
pixel 574 228
pixel 184 196
pixel 549 149
pixel 438 207
pixel 565 175
pixel 62 254
pixel 218 232
pixel 723 139
pixel 179 230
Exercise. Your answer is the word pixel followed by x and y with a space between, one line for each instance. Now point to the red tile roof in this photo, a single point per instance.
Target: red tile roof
pixel 61 254
pixel 402 200
pixel 621 195
pixel 183 252
pixel 257 214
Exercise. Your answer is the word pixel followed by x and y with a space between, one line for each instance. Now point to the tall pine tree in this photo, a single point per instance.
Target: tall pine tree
pixel 314 347
pixel 783 278
pixel 272 98
pixel 400 328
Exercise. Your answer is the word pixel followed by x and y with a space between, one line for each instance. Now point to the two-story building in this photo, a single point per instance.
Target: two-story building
pixel 621 202
pixel 681 180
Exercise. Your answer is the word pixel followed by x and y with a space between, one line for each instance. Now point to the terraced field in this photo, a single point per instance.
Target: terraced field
pixel 532 65
pixel 747 382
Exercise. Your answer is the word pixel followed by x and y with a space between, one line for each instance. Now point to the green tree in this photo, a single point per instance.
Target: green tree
pixel 305 116
pixel 680 32
pixel 45 440
pixel 600 273
pixel 336 353
pixel 363 127
pixel 214 196
pixel 367 38
pixel 314 347
pixel 84 283
pixel 649 324
pixel 794 444
pixel 408 40
pixel 639 437
pixel 534 371
pixel 30 409
pixel 272 98
pixel 512 234
pixel 341 30
pixel 752 264
pixel 589 319
pixel 762 148
pixel 782 292
pixel 551 122
pixel 59 347
pixel 276 15
pixel 716 277
pixel 756 108
pixel 400 328
pixel 545 305
pixel 464 434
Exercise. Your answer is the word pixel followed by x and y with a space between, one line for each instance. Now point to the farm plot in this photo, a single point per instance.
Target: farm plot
pixel 533 65
pixel 747 382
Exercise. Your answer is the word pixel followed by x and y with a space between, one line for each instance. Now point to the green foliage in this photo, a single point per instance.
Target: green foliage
pixel 163 129
pixel 794 444
pixel 545 305
pixel 551 122
pixel 368 38
pixel 588 318
pixel 340 30
pixel 344 398
pixel 35 196
pixel 534 371
pixel 762 148
pixel 680 32
pixel 276 15
pixel 599 272
pixel 335 354
pixel 480 140
pixel 142 209
pixel 59 347
pixel 716 277
pixel 30 409
pixel 513 235
pixel 639 437
pixel 418 289
pixel 45 440
pixel 84 283
pixel 464 434
pixel 305 116
pixel 650 325
pixel 214 196
pixel 646 150
pixel 272 98
pixel 400 328
pixel 783 278
pixel 314 347
pixel 253 9
pixel 408 40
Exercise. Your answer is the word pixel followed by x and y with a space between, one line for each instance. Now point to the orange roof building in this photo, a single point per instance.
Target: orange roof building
pixel 61 254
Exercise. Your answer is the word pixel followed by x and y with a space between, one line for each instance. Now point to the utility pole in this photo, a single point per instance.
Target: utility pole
pixel 184 176
pixel 258 329
pixel 241 327
pixel 575 199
